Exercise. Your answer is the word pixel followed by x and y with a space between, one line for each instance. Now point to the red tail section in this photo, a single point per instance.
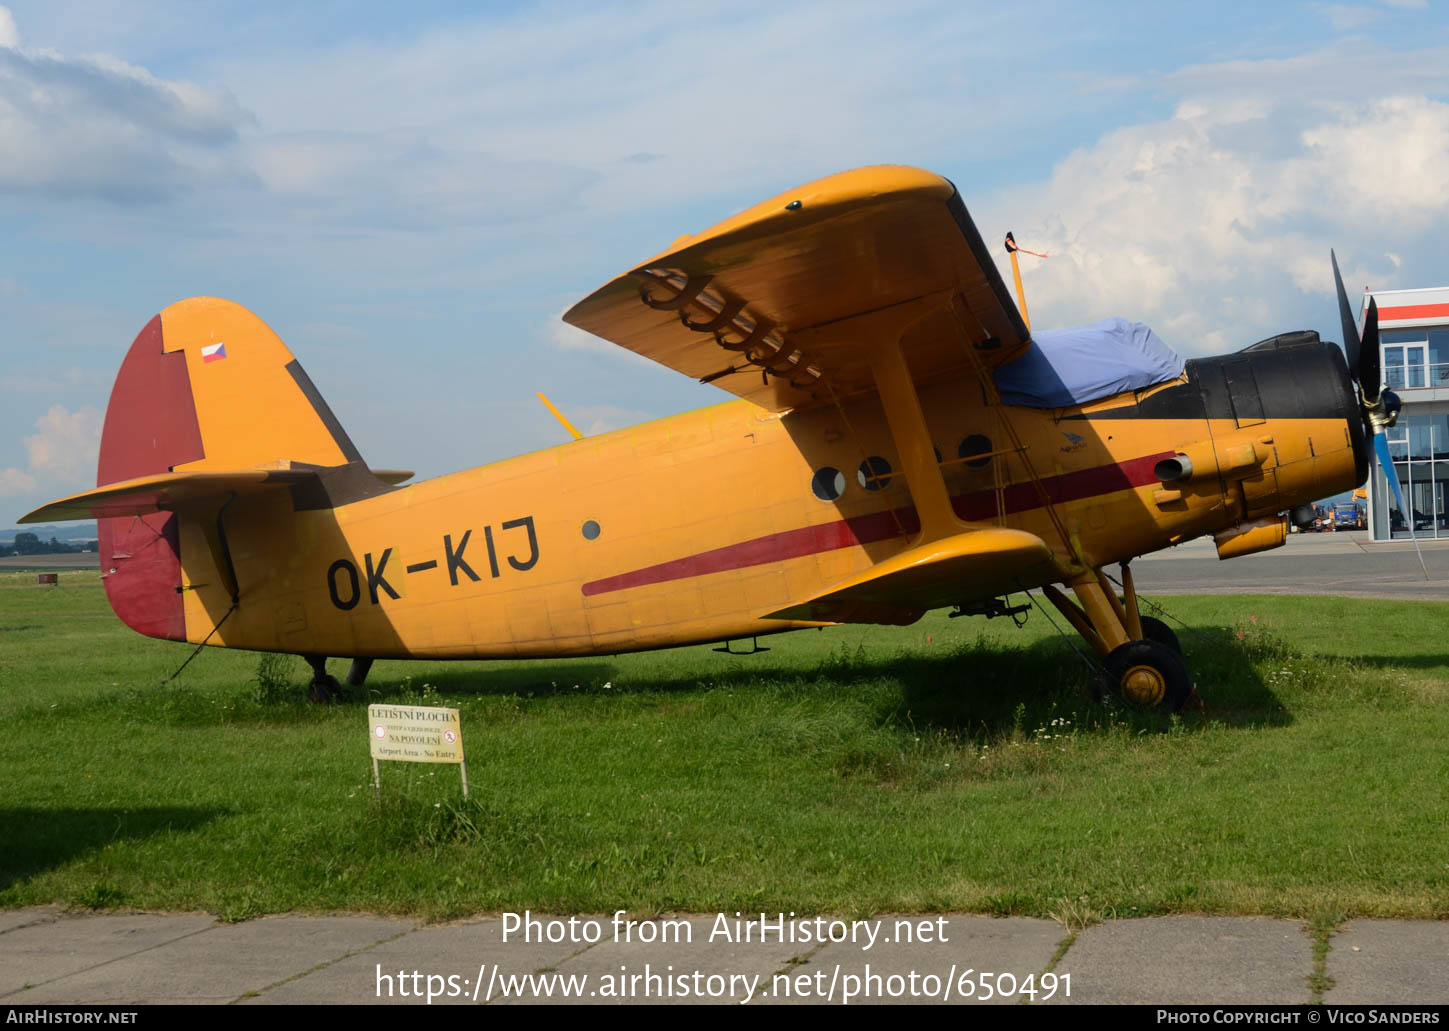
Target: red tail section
pixel 150 427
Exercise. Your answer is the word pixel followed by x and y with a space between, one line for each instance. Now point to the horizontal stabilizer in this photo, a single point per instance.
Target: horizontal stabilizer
pixel 965 567
pixel 164 492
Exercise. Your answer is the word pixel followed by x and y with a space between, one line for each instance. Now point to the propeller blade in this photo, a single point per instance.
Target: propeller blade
pixel 1370 378
pixel 1381 450
pixel 1351 343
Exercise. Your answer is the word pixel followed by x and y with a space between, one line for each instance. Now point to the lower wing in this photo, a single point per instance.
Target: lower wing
pixel 970 565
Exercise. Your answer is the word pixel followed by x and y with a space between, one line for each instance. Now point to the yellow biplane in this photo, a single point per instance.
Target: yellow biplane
pixel 870 470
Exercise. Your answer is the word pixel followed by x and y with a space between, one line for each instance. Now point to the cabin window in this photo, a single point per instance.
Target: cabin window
pixel 975 444
pixel 874 473
pixel 828 483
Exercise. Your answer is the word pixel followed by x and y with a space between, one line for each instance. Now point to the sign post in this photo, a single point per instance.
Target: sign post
pixel 415 733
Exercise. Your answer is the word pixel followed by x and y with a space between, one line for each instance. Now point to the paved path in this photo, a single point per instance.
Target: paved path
pixel 48 957
pixel 1310 563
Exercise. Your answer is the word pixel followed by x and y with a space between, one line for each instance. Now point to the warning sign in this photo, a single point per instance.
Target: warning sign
pixel 414 733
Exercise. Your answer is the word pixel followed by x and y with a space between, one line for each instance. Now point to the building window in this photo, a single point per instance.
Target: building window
pixel 1404 365
pixel 1417 446
pixel 1420 354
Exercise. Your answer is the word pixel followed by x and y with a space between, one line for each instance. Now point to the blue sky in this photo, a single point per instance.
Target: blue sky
pixel 412 193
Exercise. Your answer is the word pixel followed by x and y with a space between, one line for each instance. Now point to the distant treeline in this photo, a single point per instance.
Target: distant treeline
pixel 30 544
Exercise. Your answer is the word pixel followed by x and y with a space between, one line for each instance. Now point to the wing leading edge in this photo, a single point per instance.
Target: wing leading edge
pixel 772 304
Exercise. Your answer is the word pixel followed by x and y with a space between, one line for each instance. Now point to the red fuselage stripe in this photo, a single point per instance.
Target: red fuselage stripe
pixel 978 506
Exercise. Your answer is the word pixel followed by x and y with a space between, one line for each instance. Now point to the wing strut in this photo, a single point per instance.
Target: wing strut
pixel 913 443
pixel 885 328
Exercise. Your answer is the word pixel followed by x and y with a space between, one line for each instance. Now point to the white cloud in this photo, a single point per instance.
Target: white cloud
pixel 570 338
pixel 15 483
pixel 1194 225
pixel 67 443
pixel 1381 164
pixel 62 452
pixel 9 32
pixel 1347 17
pixel 1349 73
pixel 99 127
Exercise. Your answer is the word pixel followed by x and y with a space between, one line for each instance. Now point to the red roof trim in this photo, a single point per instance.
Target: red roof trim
pixel 1414 311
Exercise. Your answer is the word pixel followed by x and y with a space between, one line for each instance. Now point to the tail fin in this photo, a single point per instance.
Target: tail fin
pixel 251 403
pixel 206 387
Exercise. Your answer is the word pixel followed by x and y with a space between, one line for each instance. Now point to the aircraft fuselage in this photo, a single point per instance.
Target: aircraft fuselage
pixel 691 528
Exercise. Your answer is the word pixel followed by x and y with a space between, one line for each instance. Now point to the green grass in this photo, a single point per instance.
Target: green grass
pixel 952 765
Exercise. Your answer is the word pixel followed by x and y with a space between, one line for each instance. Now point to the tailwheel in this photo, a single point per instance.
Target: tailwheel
pixel 1148 675
pixel 323 686
pixel 324 689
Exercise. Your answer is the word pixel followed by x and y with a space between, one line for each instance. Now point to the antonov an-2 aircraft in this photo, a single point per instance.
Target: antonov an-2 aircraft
pixel 899 443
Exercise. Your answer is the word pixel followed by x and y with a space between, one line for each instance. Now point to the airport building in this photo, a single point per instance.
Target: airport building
pixel 1414 336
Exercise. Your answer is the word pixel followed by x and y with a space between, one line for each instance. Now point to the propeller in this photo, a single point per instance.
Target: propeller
pixel 1380 406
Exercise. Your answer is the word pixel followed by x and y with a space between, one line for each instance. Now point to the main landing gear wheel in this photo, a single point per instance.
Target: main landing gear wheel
pixel 1148 675
pixel 1157 630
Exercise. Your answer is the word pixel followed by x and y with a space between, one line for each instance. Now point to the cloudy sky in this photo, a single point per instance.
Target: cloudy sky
pixel 410 194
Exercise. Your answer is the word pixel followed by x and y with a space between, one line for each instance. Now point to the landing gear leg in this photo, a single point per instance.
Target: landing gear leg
pixel 1139 666
pixel 323 688
pixel 357 672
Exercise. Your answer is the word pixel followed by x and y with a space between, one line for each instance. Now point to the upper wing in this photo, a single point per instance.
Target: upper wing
pixel 770 304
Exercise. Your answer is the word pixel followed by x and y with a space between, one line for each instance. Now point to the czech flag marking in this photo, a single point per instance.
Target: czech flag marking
pixel 213 353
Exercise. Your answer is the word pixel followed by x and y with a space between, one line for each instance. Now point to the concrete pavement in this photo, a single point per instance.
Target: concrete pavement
pixel 1346 564
pixel 50 957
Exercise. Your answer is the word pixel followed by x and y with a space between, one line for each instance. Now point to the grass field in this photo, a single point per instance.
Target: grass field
pixel 952 765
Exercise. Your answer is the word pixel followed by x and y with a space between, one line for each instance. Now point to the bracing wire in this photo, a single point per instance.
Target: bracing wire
pixel 200 646
pixel 1150 603
pixel 1092 667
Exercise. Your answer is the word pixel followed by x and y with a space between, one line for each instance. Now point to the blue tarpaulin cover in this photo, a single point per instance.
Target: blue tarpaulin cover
pixel 1065 367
